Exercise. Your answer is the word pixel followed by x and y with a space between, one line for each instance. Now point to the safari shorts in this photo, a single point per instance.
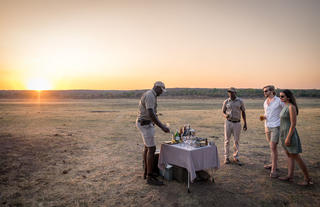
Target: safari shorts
pixel 273 133
pixel 147 132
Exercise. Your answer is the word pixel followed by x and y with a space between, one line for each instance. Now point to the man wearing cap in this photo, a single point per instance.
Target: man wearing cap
pixel 145 123
pixel 232 109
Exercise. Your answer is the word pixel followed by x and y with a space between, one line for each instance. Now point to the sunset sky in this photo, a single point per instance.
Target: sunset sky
pixel 96 44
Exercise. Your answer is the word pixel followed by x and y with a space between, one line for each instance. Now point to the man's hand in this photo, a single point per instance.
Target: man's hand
pixel 155 120
pixel 165 129
pixel 245 127
pixel 226 115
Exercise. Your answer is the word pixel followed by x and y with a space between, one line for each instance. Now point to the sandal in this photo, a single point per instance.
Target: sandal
pixel 286 178
pixel 306 182
pixel 274 175
pixel 268 167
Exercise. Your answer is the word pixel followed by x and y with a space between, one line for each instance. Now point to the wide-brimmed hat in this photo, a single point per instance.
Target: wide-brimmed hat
pixel 232 89
pixel 161 85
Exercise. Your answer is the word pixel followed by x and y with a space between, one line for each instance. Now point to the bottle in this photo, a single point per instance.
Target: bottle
pixel 173 140
pixel 181 131
pixel 177 137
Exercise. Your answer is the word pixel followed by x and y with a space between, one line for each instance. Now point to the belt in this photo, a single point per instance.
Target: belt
pixel 144 122
pixel 234 121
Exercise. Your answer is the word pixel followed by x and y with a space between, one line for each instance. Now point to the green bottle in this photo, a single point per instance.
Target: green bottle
pixel 177 137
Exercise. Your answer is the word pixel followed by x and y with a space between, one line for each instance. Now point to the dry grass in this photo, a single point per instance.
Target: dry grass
pixel 88 153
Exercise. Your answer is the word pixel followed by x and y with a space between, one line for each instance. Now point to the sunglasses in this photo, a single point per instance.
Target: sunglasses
pixel 282 96
pixel 265 91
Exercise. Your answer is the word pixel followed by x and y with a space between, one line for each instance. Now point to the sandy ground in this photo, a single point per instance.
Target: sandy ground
pixel 88 153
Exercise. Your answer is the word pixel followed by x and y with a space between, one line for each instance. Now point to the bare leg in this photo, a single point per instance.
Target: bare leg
pixel 289 177
pixel 152 180
pixel 290 165
pixel 302 165
pixel 274 156
pixel 268 135
pixel 150 157
pixel 145 151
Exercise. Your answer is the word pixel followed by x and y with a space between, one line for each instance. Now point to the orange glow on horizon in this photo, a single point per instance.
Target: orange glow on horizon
pixel 115 45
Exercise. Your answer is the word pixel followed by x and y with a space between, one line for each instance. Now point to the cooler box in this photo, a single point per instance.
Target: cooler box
pixel 180 174
pixel 167 173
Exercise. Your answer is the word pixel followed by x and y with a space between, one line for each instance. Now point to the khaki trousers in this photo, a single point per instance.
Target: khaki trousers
pixel 231 128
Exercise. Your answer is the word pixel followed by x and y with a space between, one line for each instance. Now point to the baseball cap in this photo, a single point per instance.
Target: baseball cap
pixel 161 84
pixel 232 89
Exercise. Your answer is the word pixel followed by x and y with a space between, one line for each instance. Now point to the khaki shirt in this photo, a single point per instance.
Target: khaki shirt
pixel 147 101
pixel 233 108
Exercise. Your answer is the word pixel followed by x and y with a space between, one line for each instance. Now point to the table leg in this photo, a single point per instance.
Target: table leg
pixel 211 175
pixel 188 182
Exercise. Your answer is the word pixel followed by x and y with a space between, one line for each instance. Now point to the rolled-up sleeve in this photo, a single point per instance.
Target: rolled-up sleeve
pixel 224 108
pixel 150 102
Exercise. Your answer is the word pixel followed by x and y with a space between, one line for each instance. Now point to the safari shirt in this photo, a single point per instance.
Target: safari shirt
pixel 147 101
pixel 233 108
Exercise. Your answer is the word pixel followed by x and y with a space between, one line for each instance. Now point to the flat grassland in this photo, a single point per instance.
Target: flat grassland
pixel 89 152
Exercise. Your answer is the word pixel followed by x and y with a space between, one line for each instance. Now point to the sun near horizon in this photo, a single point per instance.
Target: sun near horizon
pixel 39 84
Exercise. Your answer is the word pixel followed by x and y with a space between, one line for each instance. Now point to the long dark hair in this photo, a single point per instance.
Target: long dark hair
pixel 291 98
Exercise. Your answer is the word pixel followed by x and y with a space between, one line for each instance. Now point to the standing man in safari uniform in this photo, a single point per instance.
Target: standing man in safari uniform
pixel 232 109
pixel 145 123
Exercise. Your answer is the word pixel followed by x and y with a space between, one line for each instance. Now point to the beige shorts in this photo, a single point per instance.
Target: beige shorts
pixel 273 133
pixel 147 133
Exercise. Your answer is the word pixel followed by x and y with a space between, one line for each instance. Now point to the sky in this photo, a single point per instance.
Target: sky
pixel 110 45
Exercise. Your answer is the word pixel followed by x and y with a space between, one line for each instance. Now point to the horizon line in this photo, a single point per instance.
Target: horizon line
pixel 147 89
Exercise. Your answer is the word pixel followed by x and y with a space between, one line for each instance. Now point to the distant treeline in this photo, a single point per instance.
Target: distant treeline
pixel 172 93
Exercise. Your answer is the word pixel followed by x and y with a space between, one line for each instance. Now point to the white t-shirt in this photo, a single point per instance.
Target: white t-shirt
pixel 272 112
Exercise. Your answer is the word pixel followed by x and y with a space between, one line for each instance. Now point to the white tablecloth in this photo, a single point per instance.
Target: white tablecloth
pixel 193 159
